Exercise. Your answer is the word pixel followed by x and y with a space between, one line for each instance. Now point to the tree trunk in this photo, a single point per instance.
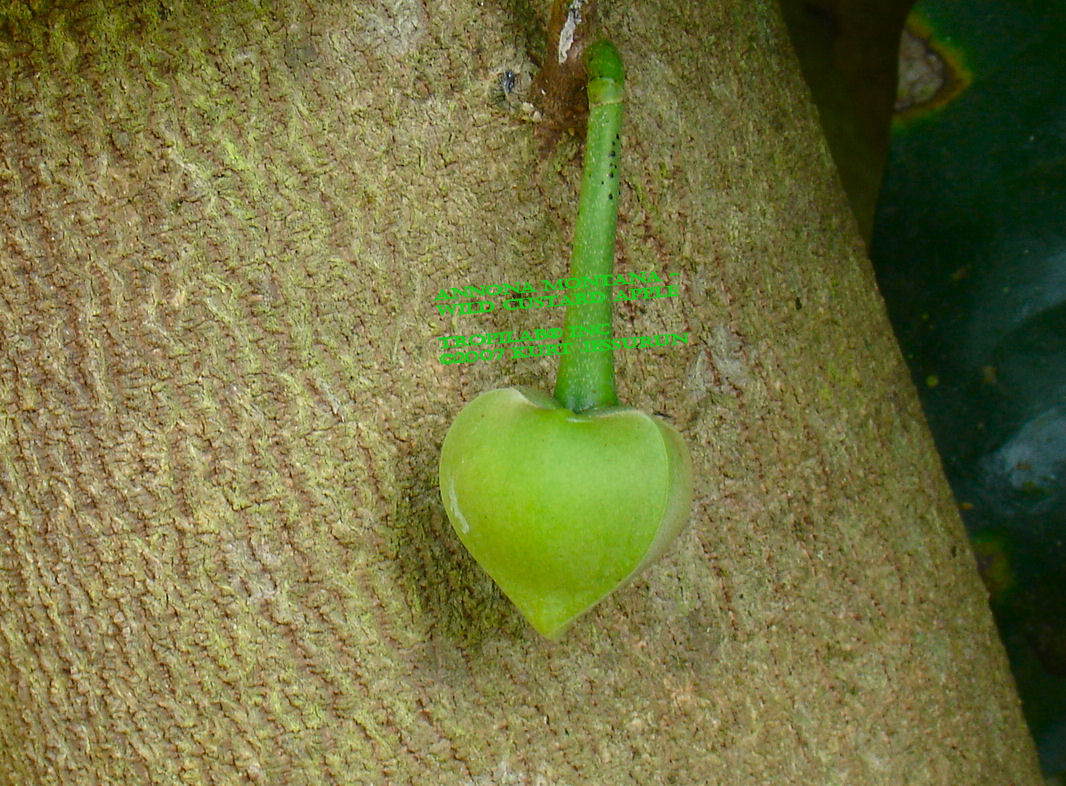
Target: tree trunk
pixel 224 556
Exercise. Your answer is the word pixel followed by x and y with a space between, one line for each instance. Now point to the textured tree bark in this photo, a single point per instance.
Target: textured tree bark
pixel 224 559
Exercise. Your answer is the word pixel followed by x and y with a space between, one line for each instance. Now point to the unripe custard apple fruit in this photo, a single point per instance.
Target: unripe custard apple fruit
pixel 561 508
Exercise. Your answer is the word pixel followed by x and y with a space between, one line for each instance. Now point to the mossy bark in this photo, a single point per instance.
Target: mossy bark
pixel 223 554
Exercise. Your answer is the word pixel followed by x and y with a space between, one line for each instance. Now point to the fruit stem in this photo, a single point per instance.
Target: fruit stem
pixel 586 378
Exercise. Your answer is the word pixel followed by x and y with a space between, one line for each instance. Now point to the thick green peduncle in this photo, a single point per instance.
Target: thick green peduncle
pixel 586 379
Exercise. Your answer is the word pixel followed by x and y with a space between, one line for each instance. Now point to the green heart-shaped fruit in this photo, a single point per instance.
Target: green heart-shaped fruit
pixel 560 508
